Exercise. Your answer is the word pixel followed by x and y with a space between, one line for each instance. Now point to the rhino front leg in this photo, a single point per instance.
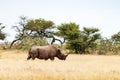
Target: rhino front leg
pixel 52 58
pixel 46 58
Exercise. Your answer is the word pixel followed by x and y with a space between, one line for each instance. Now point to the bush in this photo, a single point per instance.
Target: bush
pixel 28 42
pixel 76 46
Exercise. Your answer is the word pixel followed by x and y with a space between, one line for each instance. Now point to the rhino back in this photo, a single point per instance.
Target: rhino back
pixel 45 51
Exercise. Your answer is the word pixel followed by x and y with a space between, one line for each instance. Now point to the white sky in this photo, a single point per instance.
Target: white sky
pixel 103 14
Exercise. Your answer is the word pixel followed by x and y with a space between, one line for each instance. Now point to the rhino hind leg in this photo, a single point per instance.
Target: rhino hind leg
pixel 33 56
pixel 28 57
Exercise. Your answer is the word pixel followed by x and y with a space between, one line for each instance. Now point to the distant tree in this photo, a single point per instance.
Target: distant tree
pixel 39 27
pixel 76 40
pixel 2 34
pixel 69 31
pixel 90 36
pixel 86 40
pixel 116 42
pixel 34 28
pixel 116 37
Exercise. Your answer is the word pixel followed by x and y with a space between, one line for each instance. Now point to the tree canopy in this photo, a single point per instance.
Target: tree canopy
pixel 68 30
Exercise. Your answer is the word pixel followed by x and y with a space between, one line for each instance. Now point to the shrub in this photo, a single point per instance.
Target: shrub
pixel 28 42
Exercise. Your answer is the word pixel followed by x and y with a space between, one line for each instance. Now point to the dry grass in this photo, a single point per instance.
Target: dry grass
pixel 76 67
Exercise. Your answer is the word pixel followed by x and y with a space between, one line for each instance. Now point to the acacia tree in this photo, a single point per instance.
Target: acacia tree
pixel 41 28
pixel 69 31
pixel 34 28
pixel 90 36
pixel 30 28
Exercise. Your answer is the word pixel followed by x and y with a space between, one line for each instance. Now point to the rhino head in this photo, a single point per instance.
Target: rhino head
pixel 61 56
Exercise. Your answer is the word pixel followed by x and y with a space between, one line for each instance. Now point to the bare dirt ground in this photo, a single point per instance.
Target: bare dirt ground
pixel 14 66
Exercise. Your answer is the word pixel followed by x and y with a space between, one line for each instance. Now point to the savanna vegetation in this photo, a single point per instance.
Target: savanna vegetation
pixel 68 36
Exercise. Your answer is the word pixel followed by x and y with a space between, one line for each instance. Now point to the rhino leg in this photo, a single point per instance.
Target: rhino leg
pixel 28 57
pixel 52 58
pixel 33 56
pixel 46 58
